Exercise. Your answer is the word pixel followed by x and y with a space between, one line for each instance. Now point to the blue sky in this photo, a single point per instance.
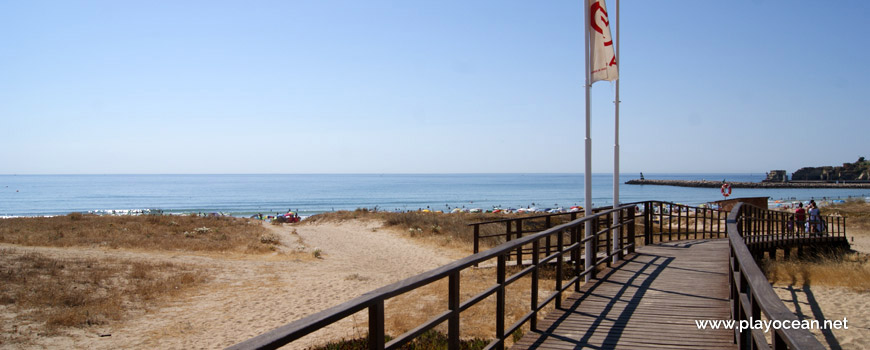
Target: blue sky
pixel 102 87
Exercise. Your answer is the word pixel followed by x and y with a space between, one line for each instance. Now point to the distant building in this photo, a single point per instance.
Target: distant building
pixel 776 176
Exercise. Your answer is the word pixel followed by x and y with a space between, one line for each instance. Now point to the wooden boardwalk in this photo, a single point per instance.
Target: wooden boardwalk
pixel 648 301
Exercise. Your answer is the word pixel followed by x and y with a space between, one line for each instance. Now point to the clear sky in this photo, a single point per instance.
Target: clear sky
pixel 322 86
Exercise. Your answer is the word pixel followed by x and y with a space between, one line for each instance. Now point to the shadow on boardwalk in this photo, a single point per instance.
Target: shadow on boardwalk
pixel 650 300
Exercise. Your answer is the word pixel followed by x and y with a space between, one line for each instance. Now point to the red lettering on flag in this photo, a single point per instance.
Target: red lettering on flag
pixel 593 10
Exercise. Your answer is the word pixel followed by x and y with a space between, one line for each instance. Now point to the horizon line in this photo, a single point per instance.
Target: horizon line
pixel 378 173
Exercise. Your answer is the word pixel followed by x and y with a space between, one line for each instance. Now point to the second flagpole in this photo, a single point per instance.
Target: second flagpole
pixel 587 175
pixel 616 101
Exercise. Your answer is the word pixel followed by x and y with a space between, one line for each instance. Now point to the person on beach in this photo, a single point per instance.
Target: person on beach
pixel 800 217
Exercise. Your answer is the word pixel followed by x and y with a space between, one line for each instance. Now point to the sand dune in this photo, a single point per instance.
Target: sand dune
pixel 250 296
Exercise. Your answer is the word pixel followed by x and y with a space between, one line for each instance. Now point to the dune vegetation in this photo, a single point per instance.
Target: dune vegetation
pixel 47 289
pixel 145 232
pixel 453 227
pixel 49 293
pixel 844 269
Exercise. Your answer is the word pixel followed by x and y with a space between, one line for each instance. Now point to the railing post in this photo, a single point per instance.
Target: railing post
pixel 507 234
pixel 735 295
pixel 499 302
pixel 620 232
pixel 520 248
pixel 536 245
pixel 576 237
pixel 680 222
pixel 476 240
pixel 453 305
pixel 547 240
pixel 631 227
pixel 559 276
pixel 617 236
pixel 778 343
pixel 547 243
pixel 376 326
pixel 843 227
pixel 593 255
pixel 647 223
pixel 607 239
pixel 661 222
pixel 706 213
pixel 745 336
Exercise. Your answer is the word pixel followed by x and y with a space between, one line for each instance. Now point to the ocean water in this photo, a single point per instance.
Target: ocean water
pixel 245 195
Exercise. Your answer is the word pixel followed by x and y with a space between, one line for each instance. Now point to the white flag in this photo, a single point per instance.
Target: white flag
pixel 603 59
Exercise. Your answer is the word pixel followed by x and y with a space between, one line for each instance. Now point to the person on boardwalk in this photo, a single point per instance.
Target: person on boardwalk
pixel 815 218
pixel 800 217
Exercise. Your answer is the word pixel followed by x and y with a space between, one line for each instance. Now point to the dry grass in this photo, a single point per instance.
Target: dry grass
pixel 447 228
pixel 48 294
pixel 851 270
pixel 148 232
pixel 409 310
pixel 857 213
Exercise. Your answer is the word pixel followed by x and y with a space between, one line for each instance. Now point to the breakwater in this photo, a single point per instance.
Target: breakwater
pixel 717 184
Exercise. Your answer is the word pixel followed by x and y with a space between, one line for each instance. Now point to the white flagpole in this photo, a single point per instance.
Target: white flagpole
pixel 587 175
pixel 615 234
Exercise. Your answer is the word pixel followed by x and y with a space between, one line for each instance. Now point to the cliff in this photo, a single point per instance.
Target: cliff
pixel 858 171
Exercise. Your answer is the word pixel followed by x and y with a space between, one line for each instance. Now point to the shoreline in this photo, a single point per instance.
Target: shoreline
pixel 739 184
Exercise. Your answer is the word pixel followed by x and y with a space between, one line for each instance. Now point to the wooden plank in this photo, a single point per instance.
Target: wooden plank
pixel 650 300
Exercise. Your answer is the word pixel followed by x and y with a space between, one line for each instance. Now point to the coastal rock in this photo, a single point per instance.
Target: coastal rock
pixel 858 171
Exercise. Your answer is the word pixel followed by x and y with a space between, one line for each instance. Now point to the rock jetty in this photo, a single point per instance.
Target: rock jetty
pixel 717 184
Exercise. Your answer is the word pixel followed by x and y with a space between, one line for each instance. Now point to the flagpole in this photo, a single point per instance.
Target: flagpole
pixel 587 174
pixel 615 234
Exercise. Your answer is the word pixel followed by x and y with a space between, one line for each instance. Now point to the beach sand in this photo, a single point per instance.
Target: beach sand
pixel 250 295
pixel 818 302
pixel 831 303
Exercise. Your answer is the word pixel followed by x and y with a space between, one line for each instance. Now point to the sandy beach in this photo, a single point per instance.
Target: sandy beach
pixel 251 295
pixel 317 266
pixel 831 303
pixel 822 302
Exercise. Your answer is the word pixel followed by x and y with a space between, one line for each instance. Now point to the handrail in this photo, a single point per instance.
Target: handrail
pixel 750 291
pixel 752 294
pixel 706 221
pixel 374 300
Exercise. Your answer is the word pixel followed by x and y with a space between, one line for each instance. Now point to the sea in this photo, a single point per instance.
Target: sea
pixel 309 194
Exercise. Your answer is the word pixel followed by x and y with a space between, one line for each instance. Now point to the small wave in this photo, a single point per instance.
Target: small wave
pixel 126 212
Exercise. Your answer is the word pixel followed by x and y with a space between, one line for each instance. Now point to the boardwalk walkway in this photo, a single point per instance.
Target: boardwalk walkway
pixel 648 301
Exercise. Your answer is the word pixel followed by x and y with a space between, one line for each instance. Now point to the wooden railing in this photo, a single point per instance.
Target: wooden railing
pixel 751 294
pixel 661 222
pixel 750 290
pixel 768 230
pixel 563 245
pixel 666 221
pixel 568 249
